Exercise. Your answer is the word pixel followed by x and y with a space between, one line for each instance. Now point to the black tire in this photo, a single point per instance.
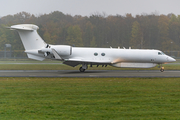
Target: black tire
pixel 162 70
pixel 81 69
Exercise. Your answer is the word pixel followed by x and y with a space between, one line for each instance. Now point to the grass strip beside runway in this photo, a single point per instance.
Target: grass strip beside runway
pixel 89 98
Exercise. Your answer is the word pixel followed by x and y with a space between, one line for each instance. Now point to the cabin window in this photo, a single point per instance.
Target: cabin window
pixel 103 54
pixel 95 54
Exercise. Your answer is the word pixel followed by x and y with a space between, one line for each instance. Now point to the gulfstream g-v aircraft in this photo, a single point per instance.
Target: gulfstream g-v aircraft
pixel 37 49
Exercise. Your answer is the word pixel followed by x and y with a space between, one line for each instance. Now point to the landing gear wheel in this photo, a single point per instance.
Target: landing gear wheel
pixel 81 69
pixel 162 69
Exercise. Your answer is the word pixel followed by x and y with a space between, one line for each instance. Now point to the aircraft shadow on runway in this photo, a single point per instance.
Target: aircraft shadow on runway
pixel 86 72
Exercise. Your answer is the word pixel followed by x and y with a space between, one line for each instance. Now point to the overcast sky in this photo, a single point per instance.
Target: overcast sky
pixel 89 7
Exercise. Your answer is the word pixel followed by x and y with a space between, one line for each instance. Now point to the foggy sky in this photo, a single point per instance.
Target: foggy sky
pixel 89 7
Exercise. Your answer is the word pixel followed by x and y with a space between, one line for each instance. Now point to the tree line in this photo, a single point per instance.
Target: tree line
pixel 147 31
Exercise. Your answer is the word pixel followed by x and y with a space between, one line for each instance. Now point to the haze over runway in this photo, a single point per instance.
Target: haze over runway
pixel 89 7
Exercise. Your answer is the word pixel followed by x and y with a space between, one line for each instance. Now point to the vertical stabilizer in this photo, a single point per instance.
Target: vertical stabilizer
pixel 30 39
pixel 29 36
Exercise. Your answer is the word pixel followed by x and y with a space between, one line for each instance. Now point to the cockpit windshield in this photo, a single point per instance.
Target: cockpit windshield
pixel 161 53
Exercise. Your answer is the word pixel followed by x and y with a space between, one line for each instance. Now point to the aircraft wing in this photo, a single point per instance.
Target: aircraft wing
pixel 75 62
pixel 87 61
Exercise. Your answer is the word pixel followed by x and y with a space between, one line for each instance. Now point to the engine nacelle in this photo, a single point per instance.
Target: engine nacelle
pixel 63 50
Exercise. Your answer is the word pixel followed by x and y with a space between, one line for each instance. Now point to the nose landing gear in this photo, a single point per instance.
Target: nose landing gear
pixel 161 68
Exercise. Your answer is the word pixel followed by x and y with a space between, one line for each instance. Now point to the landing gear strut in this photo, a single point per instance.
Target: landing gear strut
pixel 161 68
pixel 83 68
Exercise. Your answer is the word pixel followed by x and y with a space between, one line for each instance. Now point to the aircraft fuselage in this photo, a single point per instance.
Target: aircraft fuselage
pixel 37 49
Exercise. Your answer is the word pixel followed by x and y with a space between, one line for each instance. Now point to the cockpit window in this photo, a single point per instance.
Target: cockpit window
pixel 160 53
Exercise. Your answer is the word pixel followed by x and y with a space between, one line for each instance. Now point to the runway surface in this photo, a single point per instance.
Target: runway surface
pixel 89 73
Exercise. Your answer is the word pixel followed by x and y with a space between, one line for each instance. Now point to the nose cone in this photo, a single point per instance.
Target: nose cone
pixel 170 59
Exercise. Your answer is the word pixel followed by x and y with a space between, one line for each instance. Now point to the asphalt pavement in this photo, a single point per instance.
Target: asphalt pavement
pixel 90 73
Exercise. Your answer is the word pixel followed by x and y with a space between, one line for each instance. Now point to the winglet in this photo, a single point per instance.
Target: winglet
pixel 56 55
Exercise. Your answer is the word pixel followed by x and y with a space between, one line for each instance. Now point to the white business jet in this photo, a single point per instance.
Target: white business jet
pixel 37 49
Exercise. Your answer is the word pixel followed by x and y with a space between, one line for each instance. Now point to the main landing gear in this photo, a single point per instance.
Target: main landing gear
pixel 83 68
pixel 161 68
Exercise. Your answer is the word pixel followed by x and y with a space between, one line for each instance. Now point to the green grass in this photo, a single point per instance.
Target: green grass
pixel 89 98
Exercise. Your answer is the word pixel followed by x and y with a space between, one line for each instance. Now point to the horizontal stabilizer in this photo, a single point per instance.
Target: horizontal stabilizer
pixel 28 27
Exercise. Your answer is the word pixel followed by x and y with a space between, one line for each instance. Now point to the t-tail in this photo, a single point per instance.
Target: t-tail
pixel 36 48
pixel 31 40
